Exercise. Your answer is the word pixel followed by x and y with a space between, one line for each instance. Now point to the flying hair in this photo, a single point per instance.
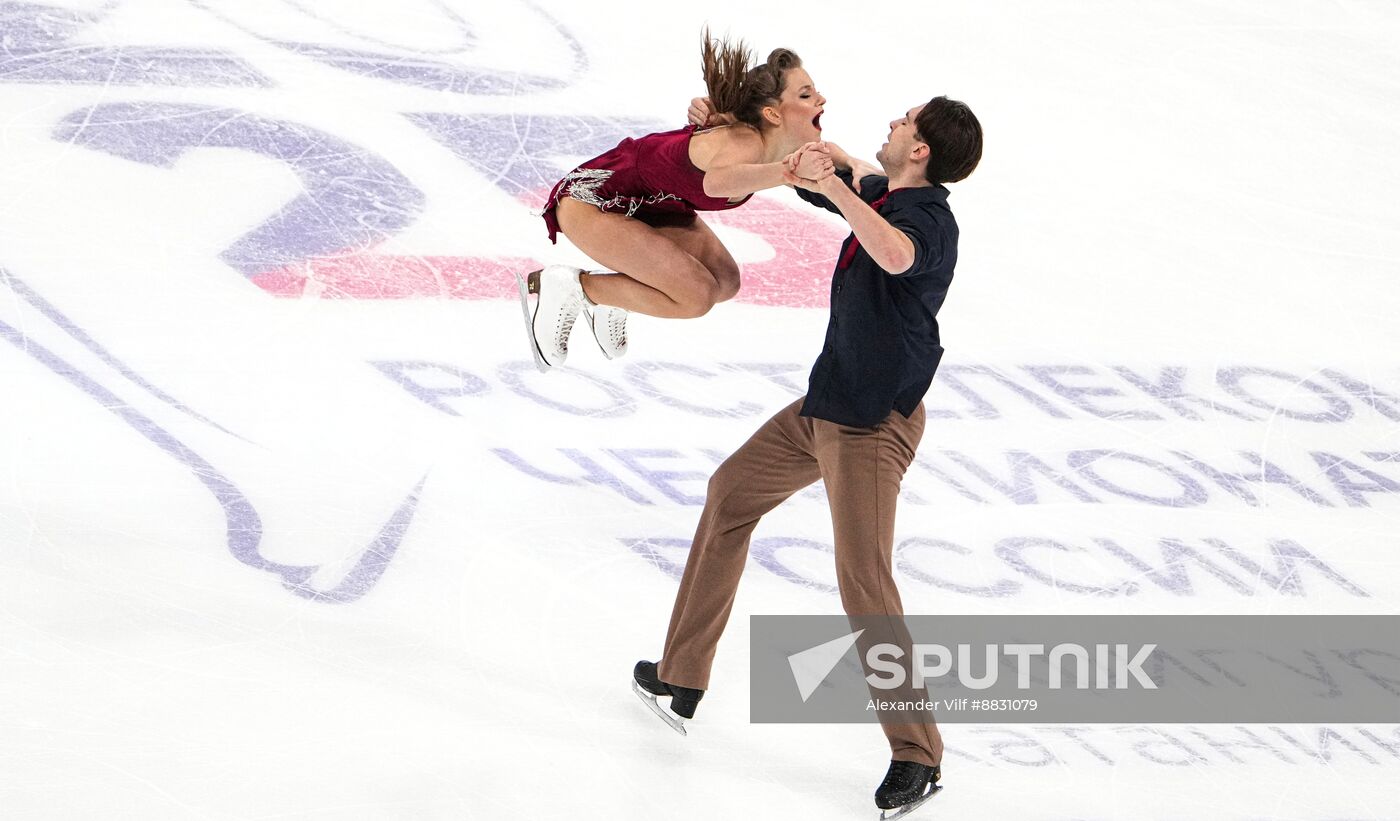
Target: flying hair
pixel 736 89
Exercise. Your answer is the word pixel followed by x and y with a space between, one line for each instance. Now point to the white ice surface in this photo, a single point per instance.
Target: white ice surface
pixel 1192 184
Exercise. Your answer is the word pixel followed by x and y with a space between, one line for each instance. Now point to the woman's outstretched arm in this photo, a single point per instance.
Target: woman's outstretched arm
pixel 735 170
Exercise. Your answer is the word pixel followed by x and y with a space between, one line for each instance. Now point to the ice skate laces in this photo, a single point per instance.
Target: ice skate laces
pixel 564 324
pixel 617 328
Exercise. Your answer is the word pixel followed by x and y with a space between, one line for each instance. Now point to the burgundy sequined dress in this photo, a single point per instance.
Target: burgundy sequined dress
pixel 650 178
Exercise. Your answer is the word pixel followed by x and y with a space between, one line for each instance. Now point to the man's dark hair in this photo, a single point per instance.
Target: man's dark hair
pixel 954 138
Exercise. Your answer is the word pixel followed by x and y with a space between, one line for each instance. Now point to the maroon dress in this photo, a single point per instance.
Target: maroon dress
pixel 650 179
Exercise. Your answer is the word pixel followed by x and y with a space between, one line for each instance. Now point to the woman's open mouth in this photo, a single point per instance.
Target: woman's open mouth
pixel 817 121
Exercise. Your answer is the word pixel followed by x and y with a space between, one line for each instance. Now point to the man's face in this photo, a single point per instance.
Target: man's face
pixel 903 138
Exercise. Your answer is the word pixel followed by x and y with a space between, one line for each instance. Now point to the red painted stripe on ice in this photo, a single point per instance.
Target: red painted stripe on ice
pixel 378 276
pixel 799 274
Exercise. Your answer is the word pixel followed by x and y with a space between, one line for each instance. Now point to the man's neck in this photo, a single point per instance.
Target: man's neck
pixel 913 178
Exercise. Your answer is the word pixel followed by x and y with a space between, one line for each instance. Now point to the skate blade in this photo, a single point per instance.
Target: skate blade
pixel 900 812
pixel 676 722
pixel 540 365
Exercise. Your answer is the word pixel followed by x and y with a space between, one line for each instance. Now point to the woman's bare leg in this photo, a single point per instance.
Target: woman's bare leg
pixel 656 275
pixel 700 242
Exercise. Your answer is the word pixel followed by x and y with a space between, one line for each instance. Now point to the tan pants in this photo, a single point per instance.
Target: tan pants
pixel 862 469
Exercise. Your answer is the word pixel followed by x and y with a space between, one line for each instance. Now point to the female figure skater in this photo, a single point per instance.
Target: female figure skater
pixel 632 209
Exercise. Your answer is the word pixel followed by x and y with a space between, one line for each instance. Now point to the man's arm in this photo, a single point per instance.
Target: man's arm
pixel 811 196
pixel 859 169
pixel 848 169
pixel 891 248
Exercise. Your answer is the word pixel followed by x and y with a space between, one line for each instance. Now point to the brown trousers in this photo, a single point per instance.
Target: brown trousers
pixel 862 469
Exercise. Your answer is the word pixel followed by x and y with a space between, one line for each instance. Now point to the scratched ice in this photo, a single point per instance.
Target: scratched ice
pixel 290 526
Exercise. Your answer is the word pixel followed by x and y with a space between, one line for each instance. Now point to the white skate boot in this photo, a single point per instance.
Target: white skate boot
pixel 609 328
pixel 559 298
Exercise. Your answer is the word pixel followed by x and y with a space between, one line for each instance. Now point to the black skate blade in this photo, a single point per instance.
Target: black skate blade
pixel 900 812
pixel 540 365
pixel 675 722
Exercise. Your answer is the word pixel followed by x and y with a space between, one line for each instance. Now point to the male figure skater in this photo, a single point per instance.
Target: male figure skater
pixel 859 424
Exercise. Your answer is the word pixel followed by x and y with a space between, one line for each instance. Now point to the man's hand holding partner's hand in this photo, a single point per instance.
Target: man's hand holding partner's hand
pixel 808 165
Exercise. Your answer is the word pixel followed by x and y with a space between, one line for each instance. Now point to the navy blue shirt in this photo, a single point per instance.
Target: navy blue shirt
pixel 882 344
